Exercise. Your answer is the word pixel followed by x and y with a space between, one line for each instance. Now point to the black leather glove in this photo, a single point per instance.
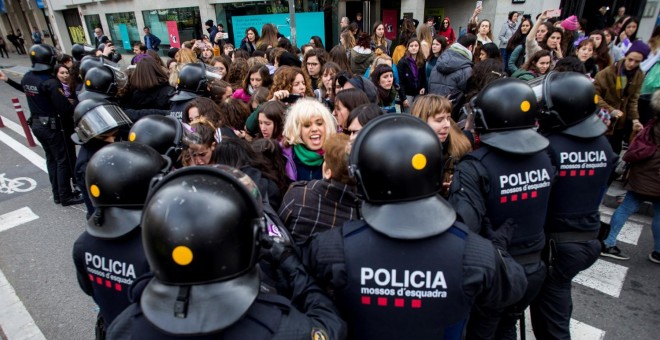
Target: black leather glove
pixel 501 237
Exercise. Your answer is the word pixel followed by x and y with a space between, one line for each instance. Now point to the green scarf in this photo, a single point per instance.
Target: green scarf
pixel 307 156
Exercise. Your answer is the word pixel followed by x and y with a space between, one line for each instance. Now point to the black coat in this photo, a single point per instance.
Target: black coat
pixel 407 82
pixel 155 98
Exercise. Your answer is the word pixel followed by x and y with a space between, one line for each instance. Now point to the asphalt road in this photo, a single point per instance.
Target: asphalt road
pixel 612 300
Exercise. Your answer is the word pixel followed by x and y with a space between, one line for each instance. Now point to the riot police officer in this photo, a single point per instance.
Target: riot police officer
pixel 49 111
pixel 507 179
pixel 164 134
pixel 402 272
pixel 194 80
pixel 584 161
pixel 109 256
pixel 97 123
pixel 102 82
pixel 201 227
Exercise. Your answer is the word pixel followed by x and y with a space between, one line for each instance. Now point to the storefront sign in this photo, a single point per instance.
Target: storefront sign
pixel 390 19
pixel 308 24
pixel 173 34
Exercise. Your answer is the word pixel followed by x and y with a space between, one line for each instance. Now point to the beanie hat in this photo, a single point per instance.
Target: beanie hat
pixel 364 84
pixel 209 22
pixel 639 47
pixel 140 57
pixel 570 24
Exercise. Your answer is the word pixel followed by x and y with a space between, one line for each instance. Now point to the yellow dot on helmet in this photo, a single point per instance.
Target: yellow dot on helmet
pixel 94 190
pixel 419 161
pixel 33 53
pixel 182 255
pixel 178 81
pixel 525 106
pixel 131 137
pixel 88 82
pixel 595 99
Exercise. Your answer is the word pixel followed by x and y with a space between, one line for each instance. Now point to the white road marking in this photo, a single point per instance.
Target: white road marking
pixel 579 330
pixel 16 321
pixel 603 276
pixel 630 232
pixel 16 128
pixel 16 218
pixel 24 151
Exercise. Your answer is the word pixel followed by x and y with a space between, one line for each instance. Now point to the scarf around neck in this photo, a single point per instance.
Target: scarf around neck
pixel 307 156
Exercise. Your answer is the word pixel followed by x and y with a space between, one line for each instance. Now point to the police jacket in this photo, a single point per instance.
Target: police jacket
pixel 388 288
pixel 499 185
pixel 45 96
pixel 583 167
pixel 106 268
pixel 308 314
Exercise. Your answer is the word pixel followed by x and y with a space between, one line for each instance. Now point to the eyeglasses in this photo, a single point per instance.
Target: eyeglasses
pixel 313 64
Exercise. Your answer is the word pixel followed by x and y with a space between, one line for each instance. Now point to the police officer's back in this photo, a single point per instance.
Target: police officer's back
pixel 409 269
pixel 201 227
pixel 506 180
pixel 108 256
pixel 194 80
pixel 584 160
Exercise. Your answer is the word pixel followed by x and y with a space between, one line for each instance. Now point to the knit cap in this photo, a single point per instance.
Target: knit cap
pixel 570 24
pixel 639 47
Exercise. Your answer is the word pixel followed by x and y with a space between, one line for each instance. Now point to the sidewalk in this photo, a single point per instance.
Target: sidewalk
pixel 16 64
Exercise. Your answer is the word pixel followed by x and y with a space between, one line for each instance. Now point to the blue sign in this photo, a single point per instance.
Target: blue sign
pixel 2 7
pixel 40 4
pixel 123 33
pixel 307 24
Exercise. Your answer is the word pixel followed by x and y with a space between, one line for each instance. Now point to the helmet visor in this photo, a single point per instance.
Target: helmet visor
pixel 212 72
pixel 121 79
pixel 99 120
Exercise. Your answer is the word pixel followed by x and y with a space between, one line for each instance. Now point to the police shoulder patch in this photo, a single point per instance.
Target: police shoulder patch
pixel 319 334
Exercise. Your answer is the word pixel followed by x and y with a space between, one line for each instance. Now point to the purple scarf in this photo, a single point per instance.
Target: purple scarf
pixel 413 67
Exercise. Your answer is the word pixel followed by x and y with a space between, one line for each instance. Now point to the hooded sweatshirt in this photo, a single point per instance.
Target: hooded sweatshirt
pixel 448 33
pixel 361 58
pixel 451 71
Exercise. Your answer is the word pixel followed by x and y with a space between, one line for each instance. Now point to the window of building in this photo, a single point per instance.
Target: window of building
pixel 92 21
pixel 123 30
pixel 187 20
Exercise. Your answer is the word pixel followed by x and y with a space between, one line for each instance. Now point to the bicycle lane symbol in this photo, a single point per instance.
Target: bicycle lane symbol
pixel 18 184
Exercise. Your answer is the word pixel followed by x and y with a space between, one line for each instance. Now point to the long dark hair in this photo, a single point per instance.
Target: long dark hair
pixel 518 36
pixel 443 43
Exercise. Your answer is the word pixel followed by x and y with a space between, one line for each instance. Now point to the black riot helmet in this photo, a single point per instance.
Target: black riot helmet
pixel 89 62
pixel 79 51
pixel 43 57
pixel 569 104
pixel 117 179
pixel 397 163
pixel 193 81
pixel 102 82
pixel 504 116
pixel 163 133
pixel 200 231
pixel 94 117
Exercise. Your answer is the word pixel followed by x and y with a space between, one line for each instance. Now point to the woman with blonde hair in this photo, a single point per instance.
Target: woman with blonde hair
pixel 307 125
pixel 347 40
pixel 425 37
pixel 289 80
pixel 182 57
pixel 435 110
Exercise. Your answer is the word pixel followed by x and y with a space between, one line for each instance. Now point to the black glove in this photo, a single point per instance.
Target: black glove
pixel 502 236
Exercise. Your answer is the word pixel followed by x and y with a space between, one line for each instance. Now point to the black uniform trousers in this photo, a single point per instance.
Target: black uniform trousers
pixel 57 159
pixel 551 310
pixel 482 324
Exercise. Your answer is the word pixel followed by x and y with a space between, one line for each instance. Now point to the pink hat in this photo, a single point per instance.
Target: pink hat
pixel 570 24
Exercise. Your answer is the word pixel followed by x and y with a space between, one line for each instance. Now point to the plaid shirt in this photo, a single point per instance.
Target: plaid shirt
pixel 316 206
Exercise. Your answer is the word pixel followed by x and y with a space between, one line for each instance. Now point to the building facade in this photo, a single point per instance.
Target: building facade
pixel 73 21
